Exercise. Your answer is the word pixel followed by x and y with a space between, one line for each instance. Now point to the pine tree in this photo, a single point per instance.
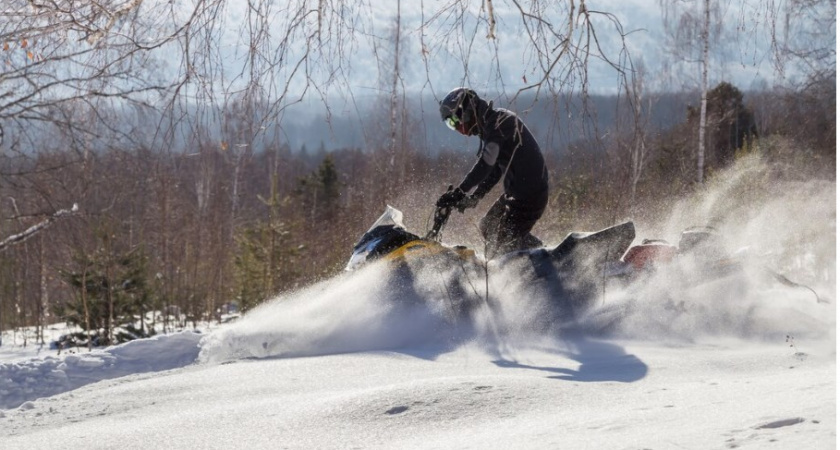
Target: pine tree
pixel 112 294
pixel 266 260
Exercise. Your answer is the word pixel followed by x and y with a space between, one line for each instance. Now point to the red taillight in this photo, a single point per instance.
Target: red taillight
pixel 646 255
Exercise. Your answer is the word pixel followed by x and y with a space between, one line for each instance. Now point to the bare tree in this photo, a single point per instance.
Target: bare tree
pixel 394 93
pixel 803 38
pixel 693 27
pixel 34 229
pixel 799 34
pixel 556 55
pixel 390 124
pixel 640 103
pixel 63 55
pixel 106 55
pixel 704 90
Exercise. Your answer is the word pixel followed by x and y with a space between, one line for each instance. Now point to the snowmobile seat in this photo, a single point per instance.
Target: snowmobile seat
pixel 608 244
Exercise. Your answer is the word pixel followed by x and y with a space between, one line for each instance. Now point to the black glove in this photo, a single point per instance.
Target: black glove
pixel 467 202
pixel 450 198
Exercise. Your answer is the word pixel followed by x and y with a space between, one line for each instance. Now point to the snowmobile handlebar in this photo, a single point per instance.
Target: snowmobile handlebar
pixel 441 216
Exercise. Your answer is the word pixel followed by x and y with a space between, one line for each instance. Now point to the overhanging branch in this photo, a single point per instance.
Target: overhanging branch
pixel 34 229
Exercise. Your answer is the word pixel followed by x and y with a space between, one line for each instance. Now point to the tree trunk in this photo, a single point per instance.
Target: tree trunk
pixel 109 291
pixel 701 145
pixel 44 303
pixel 85 307
pixel 395 171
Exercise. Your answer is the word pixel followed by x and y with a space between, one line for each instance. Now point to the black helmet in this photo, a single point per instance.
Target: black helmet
pixel 459 105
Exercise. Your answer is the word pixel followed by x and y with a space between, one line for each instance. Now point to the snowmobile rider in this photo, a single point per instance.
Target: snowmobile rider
pixel 508 150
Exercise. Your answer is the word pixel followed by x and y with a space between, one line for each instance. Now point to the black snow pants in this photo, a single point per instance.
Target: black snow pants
pixel 507 225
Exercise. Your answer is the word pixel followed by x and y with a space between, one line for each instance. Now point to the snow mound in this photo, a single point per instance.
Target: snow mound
pixel 23 381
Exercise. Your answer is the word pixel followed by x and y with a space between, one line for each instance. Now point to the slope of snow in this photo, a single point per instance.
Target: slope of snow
pixel 583 393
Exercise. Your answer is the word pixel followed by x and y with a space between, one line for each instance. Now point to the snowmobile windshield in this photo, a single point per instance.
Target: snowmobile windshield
pixel 384 232
pixel 392 216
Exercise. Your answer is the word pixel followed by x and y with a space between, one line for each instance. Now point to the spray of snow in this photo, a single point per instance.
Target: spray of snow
pixel 771 228
pixel 785 227
pixel 351 312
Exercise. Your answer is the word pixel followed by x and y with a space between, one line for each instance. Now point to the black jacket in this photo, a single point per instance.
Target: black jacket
pixel 509 150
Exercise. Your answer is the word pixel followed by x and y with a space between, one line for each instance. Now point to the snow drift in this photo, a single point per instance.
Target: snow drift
pixel 23 381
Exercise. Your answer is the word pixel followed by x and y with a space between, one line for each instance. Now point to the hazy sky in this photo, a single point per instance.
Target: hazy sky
pixel 466 57
pixel 444 45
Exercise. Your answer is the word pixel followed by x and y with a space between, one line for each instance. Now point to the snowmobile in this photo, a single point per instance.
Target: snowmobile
pixel 571 276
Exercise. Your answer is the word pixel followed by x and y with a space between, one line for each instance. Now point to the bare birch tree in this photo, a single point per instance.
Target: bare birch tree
pixel 640 103
pixel 704 91
pixel 693 27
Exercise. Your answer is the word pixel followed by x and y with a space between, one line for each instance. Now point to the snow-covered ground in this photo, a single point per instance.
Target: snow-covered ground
pixel 580 394
pixel 337 366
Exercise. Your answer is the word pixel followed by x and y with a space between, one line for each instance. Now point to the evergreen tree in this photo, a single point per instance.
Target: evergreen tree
pixel 318 198
pixel 112 294
pixel 266 260
pixel 319 192
pixel 265 263
pixel 731 123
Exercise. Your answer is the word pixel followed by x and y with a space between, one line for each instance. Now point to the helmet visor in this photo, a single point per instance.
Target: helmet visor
pixel 452 122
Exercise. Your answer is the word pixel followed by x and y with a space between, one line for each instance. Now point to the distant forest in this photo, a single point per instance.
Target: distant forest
pixel 556 122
